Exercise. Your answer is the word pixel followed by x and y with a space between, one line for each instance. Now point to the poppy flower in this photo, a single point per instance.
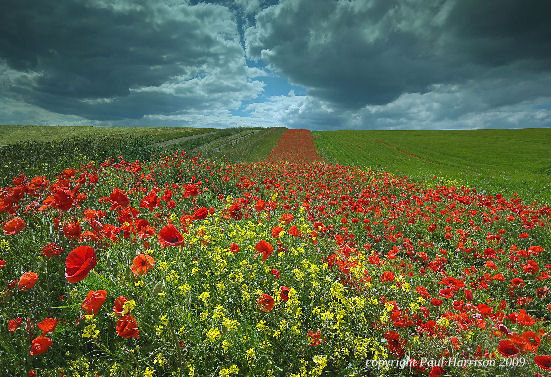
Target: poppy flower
pixel 118 306
pixel 79 262
pixel 275 273
pixel 93 301
pixel 40 345
pixel 27 280
pixel 387 276
pixel 315 338
pixel 51 249
pixel 47 325
pixel 284 294
pixel 395 344
pixel 72 230
pixel 127 327
pixel 2 263
pixel 118 199
pixel 293 231
pixel 507 349
pixel 200 214
pixel 13 324
pixel 265 302
pixel 63 200
pixel 259 206
pixel 543 361
pixel 264 248
pixel 234 248
pixel 436 371
pixel 276 230
pixel 169 236
pixel 141 264
pixel 13 226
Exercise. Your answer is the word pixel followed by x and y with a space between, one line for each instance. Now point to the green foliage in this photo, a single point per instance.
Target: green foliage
pixel 498 161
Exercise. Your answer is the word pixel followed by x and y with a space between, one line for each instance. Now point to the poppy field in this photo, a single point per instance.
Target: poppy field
pixel 184 266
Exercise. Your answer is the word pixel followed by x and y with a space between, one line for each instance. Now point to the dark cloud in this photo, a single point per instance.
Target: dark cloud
pixel 114 60
pixel 357 53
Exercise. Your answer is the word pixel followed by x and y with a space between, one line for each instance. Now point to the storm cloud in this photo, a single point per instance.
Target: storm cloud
pixel 344 63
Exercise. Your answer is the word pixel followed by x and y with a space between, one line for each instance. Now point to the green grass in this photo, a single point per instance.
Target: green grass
pixel 16 134
pixel 251 149
pixel 497 161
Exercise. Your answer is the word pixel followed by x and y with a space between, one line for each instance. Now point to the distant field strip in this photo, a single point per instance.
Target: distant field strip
pixel 498 161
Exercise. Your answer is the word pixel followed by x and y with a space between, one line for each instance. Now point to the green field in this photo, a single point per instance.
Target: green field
pixel 497 161
pixel 47 150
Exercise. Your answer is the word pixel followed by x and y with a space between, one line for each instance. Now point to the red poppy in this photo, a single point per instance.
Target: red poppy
pixel 63 200
pixel 27 280
pixel 293 231
pixel 14 226
pixel 276 230
pixel 190 190
pixel 40 345
pixel 284 294
pixel 315 338
pixel 387 276
pixel 436 372
pixel 2 263
pixel 93 301
pixel 51 249
pixel 543 361
pixel 275 272
pixel 436 301
pixel 507 349
pixel 234 248
pixel 118 306
pixel 200 214
pixel 79 262
pixel 265 302
pixel 47 325
pixel 141 264
pixel 13 324
pixel 169 236
pixel 127 327
pixel 118 199
pixel 72 230
pixel 395 344
pixel 259 206
pixel 265 248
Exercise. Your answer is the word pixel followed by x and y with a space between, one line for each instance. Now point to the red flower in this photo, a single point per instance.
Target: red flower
pixel 190 190
pixel 395 344
pixel 436 372
pixel 284 294
pixel 436 301
pixel 543 361
pixel 79 262
pixel 118 199
pixel 127 327
pixel 276 230
pixel 27 280
pixel 142 263
pixel 93 301
pixel 507 349
pixel 265 302
pixel 432 227
pixel 387 276
pixel 51 249
pixel 63 200
pixel 47 325
pixel 275 272
pixel 40 345
pixel 264 248
pixel 72 230
pixel 200 214
pixel 234 248
pixel 2 263
pixel 14 226
pixel 13 324
pixel 315 338
pixel 118 306
pixel 169 236
pixel 259 206
pixel 293 231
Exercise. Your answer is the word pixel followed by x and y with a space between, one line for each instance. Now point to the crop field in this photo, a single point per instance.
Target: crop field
pixel 496 161
pixel 261 255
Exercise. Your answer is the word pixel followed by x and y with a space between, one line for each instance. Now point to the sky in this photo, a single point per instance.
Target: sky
pixel 315 64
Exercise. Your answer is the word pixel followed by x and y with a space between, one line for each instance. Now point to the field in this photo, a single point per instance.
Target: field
pixel 204 263
pixel 497 161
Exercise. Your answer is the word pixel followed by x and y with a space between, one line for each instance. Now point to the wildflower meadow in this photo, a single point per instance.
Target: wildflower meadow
pixel 292 266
